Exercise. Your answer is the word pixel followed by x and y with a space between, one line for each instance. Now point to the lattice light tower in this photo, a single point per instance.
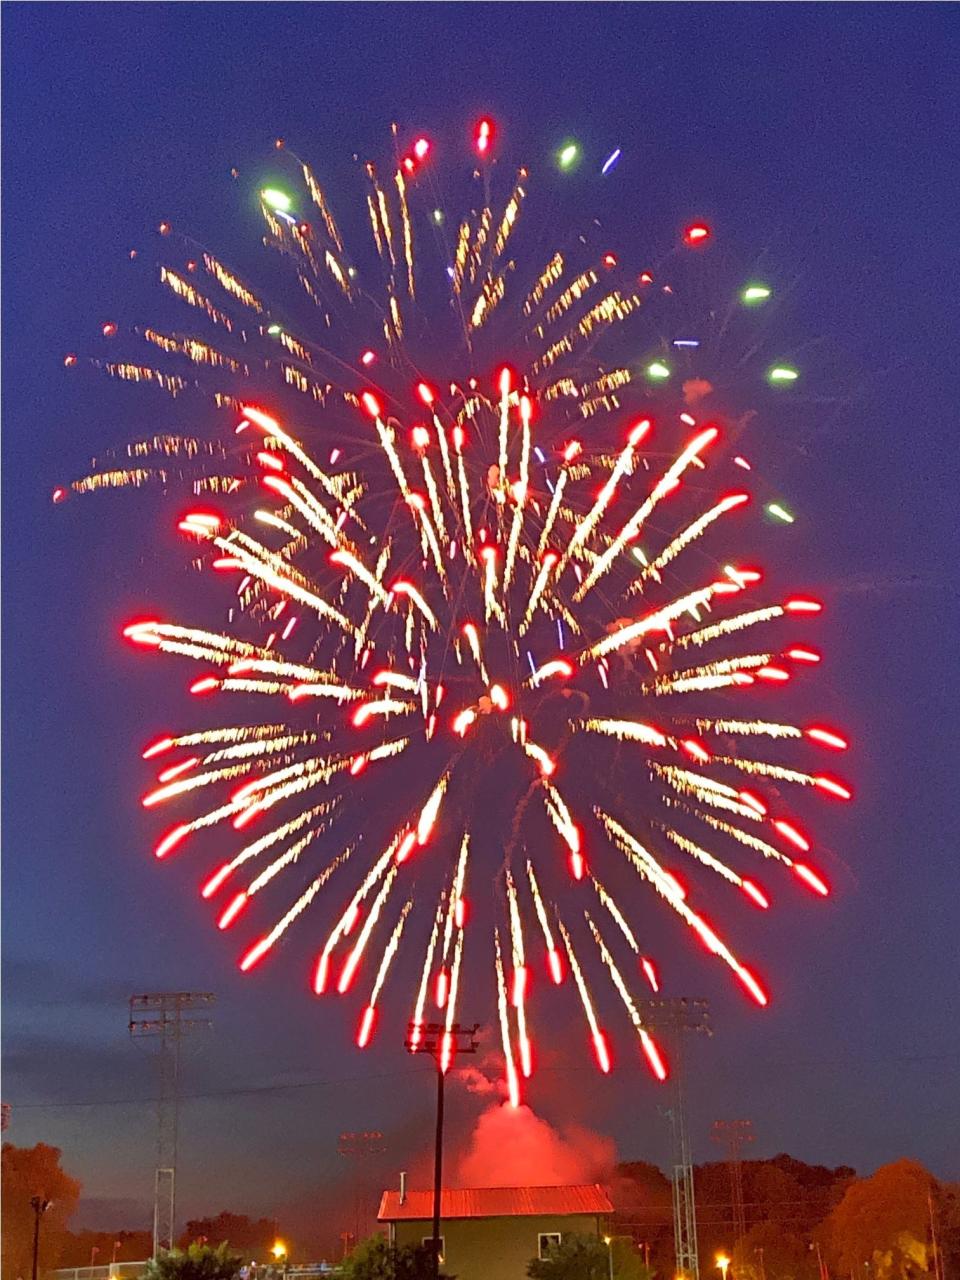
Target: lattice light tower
pixel 162 1014
pixel 358 1146
pixel 675 1016
pixel 735 1135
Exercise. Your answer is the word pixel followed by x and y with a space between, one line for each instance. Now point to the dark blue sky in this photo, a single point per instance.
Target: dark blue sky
pixel 824 133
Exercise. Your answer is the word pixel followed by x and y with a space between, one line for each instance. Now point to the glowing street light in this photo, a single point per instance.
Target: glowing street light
pixel 279 1252
pixel 608 1241
pixel 723 1262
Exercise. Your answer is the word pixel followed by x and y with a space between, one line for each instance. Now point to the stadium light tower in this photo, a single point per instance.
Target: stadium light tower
pixel 675 1016
pixel 161 1014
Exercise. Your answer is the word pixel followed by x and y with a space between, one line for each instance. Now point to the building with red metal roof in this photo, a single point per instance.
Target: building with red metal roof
pixel 492 1233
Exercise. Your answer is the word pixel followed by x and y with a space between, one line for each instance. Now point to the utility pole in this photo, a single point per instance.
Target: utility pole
pixel 444 1042
pixel 160 1014
pixel 735 1135
pixel 39 1205
pixel 675 1016
pixel 357 1146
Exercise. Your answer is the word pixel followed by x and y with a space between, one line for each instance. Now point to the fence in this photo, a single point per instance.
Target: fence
pixel 109 1271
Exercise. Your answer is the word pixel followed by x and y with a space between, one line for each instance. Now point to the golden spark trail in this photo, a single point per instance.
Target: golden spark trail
pixel 389 952
pixel 539 585
pixel 728 626
pixel 636 522
pixel 446 1047
pixel 616 915
pixel 701 855
pixel 407 231
pixel 625 731
pixel 270 571
pixel 416 1029
pixel 693 531
pixel 650 869
pixel 647 1043
pixel 748 728
pixel 622 467
pixel 654 622
pixel 353 960
pixel 520 494
pixel 445 456
pixel 711 675
pixel 464 490
pixel 552 511
pixel 596 1035
pixel 762 769
pixel 259 949
pixel 553 956
pixel 513 1083
pixel 745 838
pixel 434 496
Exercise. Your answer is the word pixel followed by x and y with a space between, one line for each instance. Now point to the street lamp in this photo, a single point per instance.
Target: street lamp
pixel 279 1251
pixel 723 1262
pixel 608 1241
pixel 39 1205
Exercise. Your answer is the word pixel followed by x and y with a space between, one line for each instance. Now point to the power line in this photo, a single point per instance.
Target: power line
pixel 243 1090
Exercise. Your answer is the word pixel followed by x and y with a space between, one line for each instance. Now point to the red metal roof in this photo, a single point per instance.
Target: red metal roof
pixel 495 1202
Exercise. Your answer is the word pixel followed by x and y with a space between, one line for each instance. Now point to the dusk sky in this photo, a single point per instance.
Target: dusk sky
pixel 820 141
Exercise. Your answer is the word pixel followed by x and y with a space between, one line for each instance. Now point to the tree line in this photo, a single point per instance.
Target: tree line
pixel 803 1222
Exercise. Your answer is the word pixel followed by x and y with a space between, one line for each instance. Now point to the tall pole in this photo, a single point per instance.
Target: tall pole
pixel 40 1205
pixel 444 1041
pixel 36 1238
pixel 676 1016
pixel 438 1172
pixel 357 1146
pixel 162 1014
pixel 735 1135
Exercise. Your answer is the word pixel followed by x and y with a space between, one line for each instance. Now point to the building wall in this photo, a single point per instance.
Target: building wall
pixel 494 1248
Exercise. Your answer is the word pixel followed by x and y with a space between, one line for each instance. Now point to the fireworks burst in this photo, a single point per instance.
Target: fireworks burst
pixel 477 601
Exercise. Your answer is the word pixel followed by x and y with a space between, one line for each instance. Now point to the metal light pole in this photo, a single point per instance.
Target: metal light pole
pixel 735 1135
pixel 358 1146
pixel 675 1016
pixel 164 1015
pixel 444 1042
pixel 608 1241
pixel 39 1205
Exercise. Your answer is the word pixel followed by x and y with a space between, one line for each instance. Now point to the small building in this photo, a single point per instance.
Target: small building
pixel 491 1233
